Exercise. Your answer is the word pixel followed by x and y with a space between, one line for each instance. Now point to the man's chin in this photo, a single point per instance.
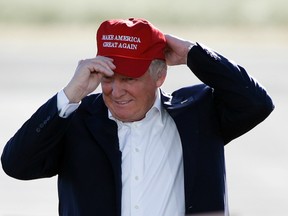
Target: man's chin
pixel 127 117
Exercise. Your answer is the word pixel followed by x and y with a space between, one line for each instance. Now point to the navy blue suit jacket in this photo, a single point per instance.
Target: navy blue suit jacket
pixel 83 149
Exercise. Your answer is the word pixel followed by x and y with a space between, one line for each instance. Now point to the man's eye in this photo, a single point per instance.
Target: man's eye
pixel 107 78
pixel 129 79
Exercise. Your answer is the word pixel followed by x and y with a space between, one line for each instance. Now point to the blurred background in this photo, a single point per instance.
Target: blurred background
pixel 42 41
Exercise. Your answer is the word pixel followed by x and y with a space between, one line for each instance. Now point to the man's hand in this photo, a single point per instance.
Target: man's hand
pixel 87 77
pixel 177 50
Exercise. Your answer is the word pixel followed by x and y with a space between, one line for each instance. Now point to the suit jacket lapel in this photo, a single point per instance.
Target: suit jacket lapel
pixel 105 134
pixel 189 135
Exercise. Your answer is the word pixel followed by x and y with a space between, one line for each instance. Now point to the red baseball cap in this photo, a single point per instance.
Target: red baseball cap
pixel 132 43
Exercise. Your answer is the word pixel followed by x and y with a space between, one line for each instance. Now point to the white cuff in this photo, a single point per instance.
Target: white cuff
pixel 64 107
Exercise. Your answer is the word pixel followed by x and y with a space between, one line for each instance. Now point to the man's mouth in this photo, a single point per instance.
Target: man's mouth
pixel 122 102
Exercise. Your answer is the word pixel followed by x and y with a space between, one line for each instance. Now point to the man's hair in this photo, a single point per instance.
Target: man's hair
pixel 157 69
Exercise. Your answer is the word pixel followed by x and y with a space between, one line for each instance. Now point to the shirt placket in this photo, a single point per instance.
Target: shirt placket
pixel 136 171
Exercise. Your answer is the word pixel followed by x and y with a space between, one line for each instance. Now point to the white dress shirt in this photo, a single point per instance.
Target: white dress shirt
pixel 152 164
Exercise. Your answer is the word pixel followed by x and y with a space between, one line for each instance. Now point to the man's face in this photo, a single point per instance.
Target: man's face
pixel 129 99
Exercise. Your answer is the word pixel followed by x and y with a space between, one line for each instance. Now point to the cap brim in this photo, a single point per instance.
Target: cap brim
pixel 130 67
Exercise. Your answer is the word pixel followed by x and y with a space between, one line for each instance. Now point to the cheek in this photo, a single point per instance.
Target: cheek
pixel 106 88
pixel 147 99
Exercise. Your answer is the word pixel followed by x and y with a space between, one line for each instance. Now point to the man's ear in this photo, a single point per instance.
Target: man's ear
pixel 161 76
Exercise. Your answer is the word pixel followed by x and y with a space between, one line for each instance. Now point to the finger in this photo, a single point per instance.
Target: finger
pixel 104 65
pixel 101 68
pixel 99 64
pixel 106 61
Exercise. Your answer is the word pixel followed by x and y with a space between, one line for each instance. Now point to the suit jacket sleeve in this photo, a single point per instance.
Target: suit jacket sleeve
pixel 241 102
pixel 35 150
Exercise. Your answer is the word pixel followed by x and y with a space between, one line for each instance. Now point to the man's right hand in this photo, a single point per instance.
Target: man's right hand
pixel 87 77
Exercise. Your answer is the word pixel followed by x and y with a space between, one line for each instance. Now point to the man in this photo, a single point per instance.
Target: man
pixel 133 149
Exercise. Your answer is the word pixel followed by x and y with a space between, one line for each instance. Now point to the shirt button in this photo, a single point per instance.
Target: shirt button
pixel 136 207
pixel 136 178
pixel 137 150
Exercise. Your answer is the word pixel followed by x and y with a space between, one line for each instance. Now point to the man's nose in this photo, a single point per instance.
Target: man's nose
pixel 118 89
